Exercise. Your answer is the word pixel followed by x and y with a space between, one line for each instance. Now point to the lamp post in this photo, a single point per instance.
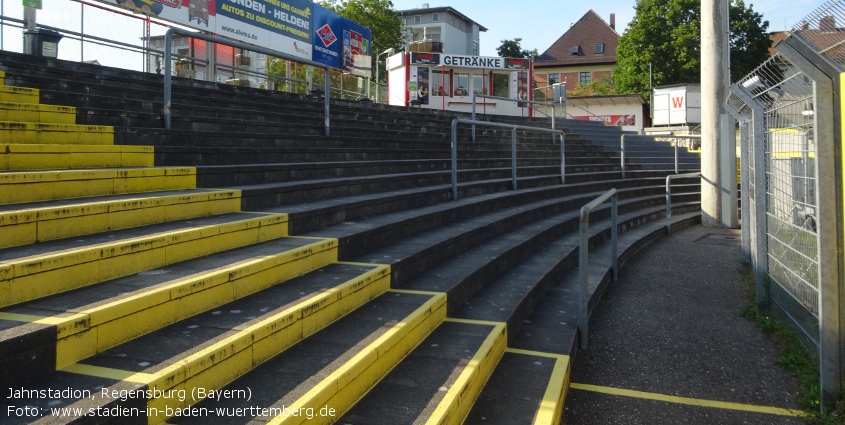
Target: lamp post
pixel 388 52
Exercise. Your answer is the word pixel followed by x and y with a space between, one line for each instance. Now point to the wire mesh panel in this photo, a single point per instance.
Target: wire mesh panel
pixel 789 177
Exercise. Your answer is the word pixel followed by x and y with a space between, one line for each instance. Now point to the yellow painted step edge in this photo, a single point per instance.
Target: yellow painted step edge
pixel 351 381
pixel 27 226
pixel 216 365
pixel 551 407
pixel 459 399
pixel 29 278
pixel 89 331
pixel 23 187
pixel 26 157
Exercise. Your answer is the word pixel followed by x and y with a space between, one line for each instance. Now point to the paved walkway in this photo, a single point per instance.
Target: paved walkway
pixel 668 344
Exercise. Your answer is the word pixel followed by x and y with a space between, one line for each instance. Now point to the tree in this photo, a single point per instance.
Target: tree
pixel 598 87
pixel 513 49
pixel 377 15
pixel 666 35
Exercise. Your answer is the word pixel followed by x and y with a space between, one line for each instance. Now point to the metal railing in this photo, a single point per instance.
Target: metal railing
pixel 584 258
pixel 530 102
pixel 669 179
pixel 675 145
pixel 168 79
pixel 513 128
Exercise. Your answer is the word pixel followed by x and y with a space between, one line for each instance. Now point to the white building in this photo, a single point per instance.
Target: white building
pixel 449 29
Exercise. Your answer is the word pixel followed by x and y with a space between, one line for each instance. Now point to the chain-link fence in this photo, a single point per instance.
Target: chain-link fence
pixel 792 205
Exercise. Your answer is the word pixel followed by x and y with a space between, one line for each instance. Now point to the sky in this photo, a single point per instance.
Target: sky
pixel 541 23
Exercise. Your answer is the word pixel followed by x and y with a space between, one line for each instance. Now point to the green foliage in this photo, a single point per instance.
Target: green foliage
pixel 513 49
pixel 795 358
pixel 599 87
pixel 666 34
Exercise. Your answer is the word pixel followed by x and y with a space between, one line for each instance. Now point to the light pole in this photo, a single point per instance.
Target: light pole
pixel 388 52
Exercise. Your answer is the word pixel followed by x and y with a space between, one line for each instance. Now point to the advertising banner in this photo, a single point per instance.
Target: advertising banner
pixel 293 27
pixel 425 58
pixel 341 43
pixel 618 120
pixel 423 85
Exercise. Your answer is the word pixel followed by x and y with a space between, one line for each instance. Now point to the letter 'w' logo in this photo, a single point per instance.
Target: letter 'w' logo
pixel 678 102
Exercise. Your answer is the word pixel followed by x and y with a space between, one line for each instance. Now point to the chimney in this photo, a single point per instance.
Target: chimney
pixel 613 21
pixel 827 24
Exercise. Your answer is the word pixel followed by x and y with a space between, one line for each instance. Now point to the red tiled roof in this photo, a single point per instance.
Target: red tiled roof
pixel 590 30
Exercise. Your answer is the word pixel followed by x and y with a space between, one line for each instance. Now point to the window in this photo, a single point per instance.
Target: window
pixel 584 78
pixel 599 47
pixel 417 19
pixel 480 84
pixel 575 50
pixel 440 83
pixel 554 78
pixel 500 85
pixel 461 84
pixel 435 17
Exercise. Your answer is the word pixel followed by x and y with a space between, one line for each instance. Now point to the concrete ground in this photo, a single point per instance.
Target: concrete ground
pixel 668 345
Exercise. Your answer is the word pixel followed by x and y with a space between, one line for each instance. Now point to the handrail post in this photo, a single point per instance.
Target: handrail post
pixel 583 272
pixel 614 238
pixel 584 259
pixel 622 154
pixel 168 83
pixel 669 204
pixel 474 96
pixel 455 159
pixel 513 157
pixel 326 101
pixel 676 156
pixel 562 159
pixel 554 113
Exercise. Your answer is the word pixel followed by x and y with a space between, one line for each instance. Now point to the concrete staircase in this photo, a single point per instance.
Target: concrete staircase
pixel 243 267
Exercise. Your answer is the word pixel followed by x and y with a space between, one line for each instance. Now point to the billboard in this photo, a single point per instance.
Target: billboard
pixel 341 43
pixel 293 27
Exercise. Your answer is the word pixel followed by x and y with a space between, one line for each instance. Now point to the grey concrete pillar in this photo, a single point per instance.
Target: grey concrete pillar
pixel 718 140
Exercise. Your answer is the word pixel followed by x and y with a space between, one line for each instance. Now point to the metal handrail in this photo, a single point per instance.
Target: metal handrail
pixel 168 83
pixel 513 128
pixel 532 102
pixel 584 257
pixel 622 148
pixel 669 179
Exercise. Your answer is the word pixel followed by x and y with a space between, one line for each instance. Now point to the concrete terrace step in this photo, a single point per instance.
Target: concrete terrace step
pixel 19 94
pixel 552 327
pixel 439 381
pixel 526 387
pixel 21 157
pixel 336 366
pixel 544 245
pixel 28 112
pixel 62 134
pixel 40 335
pixel 215 347
pixel 34 186
pixel 33 271
pixel 23 224
pixel 500 299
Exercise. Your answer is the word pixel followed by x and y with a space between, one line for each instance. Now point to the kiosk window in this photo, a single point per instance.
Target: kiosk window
pixel 437 83
pixel 461 84
pixel 500 85
pixel 480 85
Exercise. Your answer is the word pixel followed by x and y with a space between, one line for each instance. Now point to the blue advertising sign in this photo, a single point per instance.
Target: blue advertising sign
pixel 341 43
